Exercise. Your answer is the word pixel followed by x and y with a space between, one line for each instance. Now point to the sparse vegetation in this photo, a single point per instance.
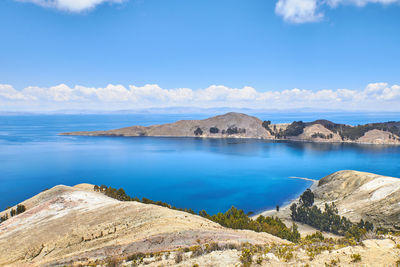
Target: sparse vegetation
pixel 321 135
pixel 237 219
pixel 348 132
pixel 122 196
pixel 234 130
pixel 233 218
pixel 355 257
pixel 327 220
pixel 294 129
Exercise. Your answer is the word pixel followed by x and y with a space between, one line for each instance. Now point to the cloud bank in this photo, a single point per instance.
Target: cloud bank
pixel 374 97
pixel 302 11
pixel 75 6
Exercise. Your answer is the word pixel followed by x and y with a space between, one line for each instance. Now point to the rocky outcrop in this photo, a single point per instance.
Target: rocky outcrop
pixel 361 195
pixel 238 125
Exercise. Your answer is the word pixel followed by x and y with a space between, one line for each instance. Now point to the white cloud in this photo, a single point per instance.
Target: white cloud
pixel 375 96
pixel 302 11
pixel 71 5
pixel 298 11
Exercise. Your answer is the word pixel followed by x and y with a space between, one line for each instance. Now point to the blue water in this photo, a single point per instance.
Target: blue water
pixel 186 172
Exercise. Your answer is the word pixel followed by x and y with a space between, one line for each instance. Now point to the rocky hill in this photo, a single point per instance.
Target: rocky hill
pixel 238 125
pixel 361 195
pixel 72 224
pixel 357 195
pixel 78 226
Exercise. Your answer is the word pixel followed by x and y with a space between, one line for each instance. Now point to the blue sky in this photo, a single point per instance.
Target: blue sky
pixel 269 46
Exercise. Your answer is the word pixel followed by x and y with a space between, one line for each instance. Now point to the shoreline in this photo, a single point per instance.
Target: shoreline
pixel 283 209
pixel 230 137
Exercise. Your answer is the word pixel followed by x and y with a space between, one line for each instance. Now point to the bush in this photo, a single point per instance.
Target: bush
pixel 4 218
pixel 20 209
pixel 246 257
pixel 198 131
pixel 214 130
pixel 355 257
pixel 12 212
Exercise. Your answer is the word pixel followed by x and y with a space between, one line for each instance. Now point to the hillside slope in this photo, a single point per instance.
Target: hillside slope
pixel 227 125
pixel 76 226
pixel 67 224
pixel 361 195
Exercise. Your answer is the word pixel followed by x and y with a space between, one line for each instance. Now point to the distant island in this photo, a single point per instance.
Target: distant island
pixel 239 125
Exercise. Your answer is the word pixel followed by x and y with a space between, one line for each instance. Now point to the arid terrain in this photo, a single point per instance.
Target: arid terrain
pixel 357 195
pixel 238 125
pixel 77 225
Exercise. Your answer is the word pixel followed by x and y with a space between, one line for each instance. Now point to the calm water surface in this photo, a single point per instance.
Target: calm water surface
pixel 186 172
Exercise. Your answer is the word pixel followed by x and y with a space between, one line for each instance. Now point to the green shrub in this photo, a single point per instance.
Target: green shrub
pixel 355 257
pixel 246 258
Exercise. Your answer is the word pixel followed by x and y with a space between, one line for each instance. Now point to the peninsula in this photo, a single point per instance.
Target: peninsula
pixel 239 125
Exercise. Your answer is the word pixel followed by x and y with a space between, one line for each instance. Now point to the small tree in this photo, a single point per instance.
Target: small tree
pixel 214 130
pixel 20 209
pixel 103 187
pixel 12 212
pixel 307 198
pixel 96 188
pixel 4 218
pixel 277 208
pixel 198 131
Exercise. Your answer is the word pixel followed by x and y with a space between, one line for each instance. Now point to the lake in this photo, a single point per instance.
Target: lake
pixel 210 174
